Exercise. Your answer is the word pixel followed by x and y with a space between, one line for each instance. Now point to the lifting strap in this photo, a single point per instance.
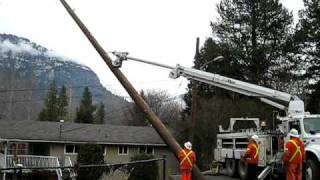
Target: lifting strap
pixel 257 147
pixel 298 150
pixel 186 157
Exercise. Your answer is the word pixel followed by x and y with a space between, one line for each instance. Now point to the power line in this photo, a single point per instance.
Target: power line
pixel 38 100
pixel 74 97
pixel 71 87
pixel 44 89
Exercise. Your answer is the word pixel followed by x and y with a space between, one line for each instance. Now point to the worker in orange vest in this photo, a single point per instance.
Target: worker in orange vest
pixel 251 157
pixel 294 156
pixel 187 160
pixel 252 154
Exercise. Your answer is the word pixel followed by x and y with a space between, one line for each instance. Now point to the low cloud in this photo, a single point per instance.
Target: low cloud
pixel 22 47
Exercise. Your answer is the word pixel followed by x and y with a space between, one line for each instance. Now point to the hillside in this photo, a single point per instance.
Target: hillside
pixel 26 71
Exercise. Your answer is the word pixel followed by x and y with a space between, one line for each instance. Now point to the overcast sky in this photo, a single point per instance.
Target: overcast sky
pixel 164 31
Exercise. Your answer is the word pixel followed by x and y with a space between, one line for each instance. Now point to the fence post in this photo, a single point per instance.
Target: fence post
pixel 5 158
pixel 20 173
pixel 164 167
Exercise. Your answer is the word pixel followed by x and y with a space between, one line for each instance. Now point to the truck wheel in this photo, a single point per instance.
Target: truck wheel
pixel 243 170
pixel 231 167
pixel 312 170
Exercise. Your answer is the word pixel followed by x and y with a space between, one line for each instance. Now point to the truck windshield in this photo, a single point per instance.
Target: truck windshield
pixel 312 125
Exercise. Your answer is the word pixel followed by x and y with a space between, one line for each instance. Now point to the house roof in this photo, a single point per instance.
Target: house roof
pixel 41 131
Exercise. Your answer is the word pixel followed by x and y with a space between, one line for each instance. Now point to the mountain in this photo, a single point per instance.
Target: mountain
pixel 26 71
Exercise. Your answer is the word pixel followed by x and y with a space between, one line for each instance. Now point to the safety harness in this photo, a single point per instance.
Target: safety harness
pixel 186 157
pixel 298 150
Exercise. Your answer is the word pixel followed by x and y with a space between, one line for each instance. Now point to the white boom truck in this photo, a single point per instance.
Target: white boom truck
pixel 231 144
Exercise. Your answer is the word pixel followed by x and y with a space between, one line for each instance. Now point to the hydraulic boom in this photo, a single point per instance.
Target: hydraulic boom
pixel 295 106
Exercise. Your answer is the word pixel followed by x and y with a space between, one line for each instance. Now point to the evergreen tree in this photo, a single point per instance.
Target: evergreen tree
pixel 314 103
pixel 55 104
pixel 90 154
pixel 254 34
pixel 62 103
pixel 307 38
pixel 86 109
pixel 100 115
pixel 210 50
pixel 50 111
pixel 139 117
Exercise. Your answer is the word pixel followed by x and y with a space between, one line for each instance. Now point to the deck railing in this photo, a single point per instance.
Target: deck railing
pixel 2 161
pixel 68 162
pixel 30 161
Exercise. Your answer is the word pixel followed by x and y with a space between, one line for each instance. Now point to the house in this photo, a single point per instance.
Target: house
pixel 55 143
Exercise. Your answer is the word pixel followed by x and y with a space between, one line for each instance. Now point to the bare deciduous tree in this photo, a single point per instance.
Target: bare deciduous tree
pixel 167 108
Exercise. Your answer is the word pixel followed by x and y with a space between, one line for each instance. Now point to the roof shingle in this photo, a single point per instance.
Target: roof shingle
pixel 76 132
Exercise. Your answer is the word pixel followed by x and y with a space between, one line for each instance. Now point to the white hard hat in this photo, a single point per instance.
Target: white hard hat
pixel 188 145
pixel 255 137
pixel 294 133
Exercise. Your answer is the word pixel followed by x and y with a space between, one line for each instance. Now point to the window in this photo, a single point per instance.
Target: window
pixel 76 149
pixel 149 150
pixel 142 149
pixel 296 125
pixel 123 150
pixel 146 150
pixel 18 148
pixel 71 149
pixel 312 125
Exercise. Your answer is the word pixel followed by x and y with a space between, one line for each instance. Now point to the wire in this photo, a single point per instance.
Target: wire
pixel 38 100
pixel 44 89
pixel 86 165
pixel 72 87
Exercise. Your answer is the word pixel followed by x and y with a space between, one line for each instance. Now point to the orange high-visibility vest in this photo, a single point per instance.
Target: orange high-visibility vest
pixel 187 159
pixel 252 153
pixel 297 152
pixel 294 151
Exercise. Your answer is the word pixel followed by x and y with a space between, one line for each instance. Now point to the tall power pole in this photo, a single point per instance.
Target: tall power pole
pixel 194 97
pixel 153 119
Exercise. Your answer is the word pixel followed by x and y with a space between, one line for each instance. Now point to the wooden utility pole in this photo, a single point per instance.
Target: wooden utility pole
pixel 194 97
pixel 153 119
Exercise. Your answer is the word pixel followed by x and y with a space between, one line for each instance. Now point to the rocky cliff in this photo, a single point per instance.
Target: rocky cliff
pixel 26 71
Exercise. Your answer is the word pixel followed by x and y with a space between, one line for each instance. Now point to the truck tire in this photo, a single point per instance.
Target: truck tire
pixel 231 167
pixel 243 170
pixel 312 171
